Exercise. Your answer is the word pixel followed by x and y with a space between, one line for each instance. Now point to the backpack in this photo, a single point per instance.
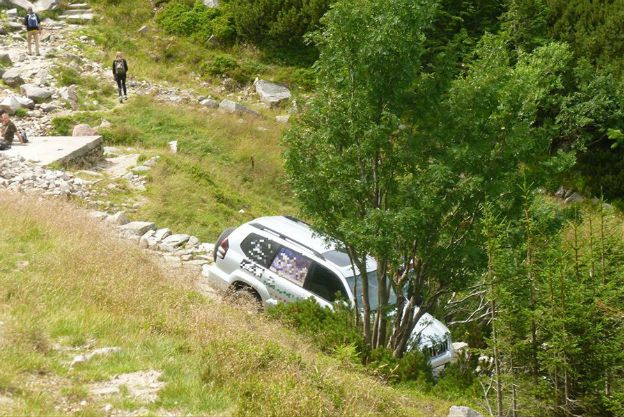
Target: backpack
pixel 120 68
pixel 33 23
pixel 23 134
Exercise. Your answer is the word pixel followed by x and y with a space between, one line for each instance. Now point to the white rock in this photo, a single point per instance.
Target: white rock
pixel 462 411
pixel 13 77
pixel 83 130
pixel 208 102
pixel 271 93
pixel 119 218
pixel 10 105
pixel 211 3
pixel 173 146
pixel 282 118
pixel 171 243
pixel 138 228
pixel 36 93
pixel 233 107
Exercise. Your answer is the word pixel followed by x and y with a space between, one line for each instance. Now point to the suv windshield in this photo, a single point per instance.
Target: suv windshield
pixel 355 283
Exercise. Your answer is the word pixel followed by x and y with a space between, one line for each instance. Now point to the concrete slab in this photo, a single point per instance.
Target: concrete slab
pixel 50 149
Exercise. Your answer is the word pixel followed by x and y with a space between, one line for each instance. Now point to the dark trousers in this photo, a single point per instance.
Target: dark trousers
pixel 121 84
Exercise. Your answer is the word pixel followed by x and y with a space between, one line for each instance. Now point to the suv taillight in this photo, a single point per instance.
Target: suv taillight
pixel 223 248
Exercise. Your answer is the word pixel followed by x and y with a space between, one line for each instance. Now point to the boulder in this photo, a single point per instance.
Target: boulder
pixel 5 59
pixel 49 107
pixel 11 13
pixel 10 105
pixel 119 218
pixel 44 5
pixel 13 77
pixel 271 93
pixel 462 411
pixel 36 93
pixel 230 106
pixel 210 103
pixel 138 228
pixel 171 243
pixel 574 198
pixel 83 130
pixel 70 95
pixel 25 102
pixel 24 4
pixel 162 233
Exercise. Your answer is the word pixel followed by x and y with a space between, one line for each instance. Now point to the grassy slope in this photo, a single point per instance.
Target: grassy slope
pixel 201 189
pixel 80 284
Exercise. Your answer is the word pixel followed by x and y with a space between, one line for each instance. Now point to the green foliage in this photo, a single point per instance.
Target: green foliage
pixel 277 23
pixel 197 21
pixel 412 367
pixel 21 112
pixel 329 330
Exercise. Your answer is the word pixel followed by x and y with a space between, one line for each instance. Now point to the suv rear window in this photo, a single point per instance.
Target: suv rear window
pixel 259 249
pixel 291 265
pixel 325 283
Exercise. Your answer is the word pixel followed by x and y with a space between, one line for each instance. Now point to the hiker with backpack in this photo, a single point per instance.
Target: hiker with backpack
pixel 33 30
pixel 120 69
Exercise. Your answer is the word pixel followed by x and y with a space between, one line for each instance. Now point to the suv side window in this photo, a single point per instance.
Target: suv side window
pixel 259 249
pixel 324 283
pixel 291 265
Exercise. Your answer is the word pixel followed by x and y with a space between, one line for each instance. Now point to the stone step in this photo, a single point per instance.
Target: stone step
pixel 79 18
pixel 81 6
pixel 76 12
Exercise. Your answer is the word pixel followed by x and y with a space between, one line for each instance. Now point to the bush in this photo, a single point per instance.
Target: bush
pixel 329 330
pixel 413 366
pixel 197 21
pixel 276 22
pixel 224 64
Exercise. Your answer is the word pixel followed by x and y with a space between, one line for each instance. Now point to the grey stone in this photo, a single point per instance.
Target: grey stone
pixel 462 411
pixel 282 118
pixel 25 102
pixel 5 59
pixel 141 168
pixel 143 30
pixel 36 93
pixel 70 95
pixel 119 218
pixel 11 13
pixel 574 198
pixel 43 5
pixel 13 77
pixel 10 105
pixel 233 107
pixel 271 93
pixel 211 3
pixel 173 146
pixel 83 130
pixel 138 228
pixel 162 233
pixel 173 242
pixel 210 103
pixel 49 107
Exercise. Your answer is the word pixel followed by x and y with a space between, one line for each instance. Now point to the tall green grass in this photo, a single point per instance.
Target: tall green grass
pixel 82 288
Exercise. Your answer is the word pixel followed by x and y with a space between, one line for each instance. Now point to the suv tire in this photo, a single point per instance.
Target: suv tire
pixel 221 238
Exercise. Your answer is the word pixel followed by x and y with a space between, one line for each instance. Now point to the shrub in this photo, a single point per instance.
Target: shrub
pixel 277 22
pixel 197 21
pixel 328 329
pixel 413 366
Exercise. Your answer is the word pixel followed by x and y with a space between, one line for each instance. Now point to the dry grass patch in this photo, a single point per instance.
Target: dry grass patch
pixel 83 287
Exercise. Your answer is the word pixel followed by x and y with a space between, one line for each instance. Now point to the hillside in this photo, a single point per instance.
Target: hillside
pixel 69 287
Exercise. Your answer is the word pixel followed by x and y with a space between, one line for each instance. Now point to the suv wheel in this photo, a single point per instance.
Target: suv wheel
pixel 221 238
pixel 242 295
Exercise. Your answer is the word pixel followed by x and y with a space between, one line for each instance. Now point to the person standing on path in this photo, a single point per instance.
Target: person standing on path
pixel 33 30
pixel 120 69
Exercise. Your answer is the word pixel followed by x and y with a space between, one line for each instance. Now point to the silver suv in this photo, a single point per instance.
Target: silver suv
pixel 282 259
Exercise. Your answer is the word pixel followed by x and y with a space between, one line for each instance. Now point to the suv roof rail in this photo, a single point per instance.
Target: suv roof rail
pixel 282 236
pixel 296 220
